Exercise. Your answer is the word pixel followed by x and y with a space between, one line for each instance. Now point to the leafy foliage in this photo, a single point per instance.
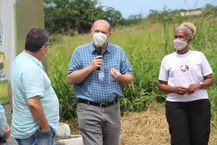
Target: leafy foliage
pixel 72 16
pixel 145 47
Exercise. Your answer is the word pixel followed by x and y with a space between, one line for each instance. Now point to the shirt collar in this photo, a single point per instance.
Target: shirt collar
pixel 108 48
pixel 35 60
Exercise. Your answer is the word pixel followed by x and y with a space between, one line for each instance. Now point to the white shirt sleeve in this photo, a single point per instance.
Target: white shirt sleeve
pixel 206 68
pixel 163 75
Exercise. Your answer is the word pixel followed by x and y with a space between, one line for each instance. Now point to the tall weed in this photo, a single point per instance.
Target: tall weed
pixel 145 46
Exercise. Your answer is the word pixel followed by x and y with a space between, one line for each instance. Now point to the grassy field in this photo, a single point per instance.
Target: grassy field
pixel 150 128
pixel 145 46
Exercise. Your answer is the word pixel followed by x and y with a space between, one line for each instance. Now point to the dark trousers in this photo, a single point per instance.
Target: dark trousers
pixel 189 122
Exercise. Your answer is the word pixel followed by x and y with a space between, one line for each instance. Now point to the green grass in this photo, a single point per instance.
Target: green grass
pixel 3 91
pixel 145 46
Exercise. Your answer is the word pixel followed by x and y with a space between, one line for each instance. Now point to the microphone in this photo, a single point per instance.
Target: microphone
pixel 99 52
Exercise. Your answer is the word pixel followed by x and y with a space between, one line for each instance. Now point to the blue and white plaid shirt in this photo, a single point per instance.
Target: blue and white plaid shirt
pixel 92 88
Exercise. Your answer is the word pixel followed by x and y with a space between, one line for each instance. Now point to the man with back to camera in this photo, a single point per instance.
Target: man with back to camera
pixel 97 70
pixel 35 106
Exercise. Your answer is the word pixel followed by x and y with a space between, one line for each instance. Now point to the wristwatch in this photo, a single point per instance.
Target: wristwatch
pixel 201 85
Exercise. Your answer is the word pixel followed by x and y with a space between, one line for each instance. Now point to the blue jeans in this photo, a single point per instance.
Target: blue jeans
pixel 38 138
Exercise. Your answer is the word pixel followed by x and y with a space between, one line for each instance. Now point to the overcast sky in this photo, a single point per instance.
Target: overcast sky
pixel 133 7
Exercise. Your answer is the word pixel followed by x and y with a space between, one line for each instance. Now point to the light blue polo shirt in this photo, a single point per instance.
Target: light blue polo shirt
pixel 28 79
pixel 2 121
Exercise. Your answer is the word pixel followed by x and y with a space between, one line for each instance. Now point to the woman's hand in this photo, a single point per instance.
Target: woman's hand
pixel 192 88
pixel 181 90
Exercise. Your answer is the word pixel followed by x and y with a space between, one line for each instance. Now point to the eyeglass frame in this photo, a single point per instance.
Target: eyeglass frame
pixel 48 45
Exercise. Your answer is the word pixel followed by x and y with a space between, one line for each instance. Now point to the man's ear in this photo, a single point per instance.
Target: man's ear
pixel 110 34
pixel 43 49
pixel 91 31
pixel 189 40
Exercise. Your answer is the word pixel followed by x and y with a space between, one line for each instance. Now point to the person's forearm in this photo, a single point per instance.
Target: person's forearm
pixel 207 83
pixel 38 113
pixel 125 79
pixel 78 76
pixel 166 88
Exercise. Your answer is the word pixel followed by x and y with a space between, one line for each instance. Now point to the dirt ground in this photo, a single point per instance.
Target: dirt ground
pixel 138 128
pixel 150 128
pixel 145 128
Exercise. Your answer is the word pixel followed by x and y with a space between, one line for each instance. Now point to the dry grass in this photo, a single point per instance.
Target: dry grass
pixel 150 128
pixel 146 128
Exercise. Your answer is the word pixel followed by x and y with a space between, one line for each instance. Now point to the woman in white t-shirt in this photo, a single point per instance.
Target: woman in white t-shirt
pixel 185 76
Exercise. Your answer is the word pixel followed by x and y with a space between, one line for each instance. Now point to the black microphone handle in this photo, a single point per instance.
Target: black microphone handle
pixel 98 69
pixel 99 52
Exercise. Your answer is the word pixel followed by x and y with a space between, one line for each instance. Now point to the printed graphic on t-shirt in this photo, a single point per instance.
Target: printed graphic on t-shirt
pixel 185 73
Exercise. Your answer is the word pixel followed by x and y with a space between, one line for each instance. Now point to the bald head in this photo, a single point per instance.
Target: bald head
pixel 101 26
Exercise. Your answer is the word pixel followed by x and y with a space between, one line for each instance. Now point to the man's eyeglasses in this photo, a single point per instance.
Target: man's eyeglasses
pixel 49 45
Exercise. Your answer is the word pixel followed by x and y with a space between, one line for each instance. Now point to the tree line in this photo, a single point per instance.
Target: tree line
pixel 76 16
pixel 71 16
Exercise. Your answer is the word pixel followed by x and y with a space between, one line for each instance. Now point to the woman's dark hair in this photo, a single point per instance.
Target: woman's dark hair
pixel 36 38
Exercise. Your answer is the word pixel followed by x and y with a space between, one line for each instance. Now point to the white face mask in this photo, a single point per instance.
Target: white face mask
pixel 179 44
pixel 99 39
